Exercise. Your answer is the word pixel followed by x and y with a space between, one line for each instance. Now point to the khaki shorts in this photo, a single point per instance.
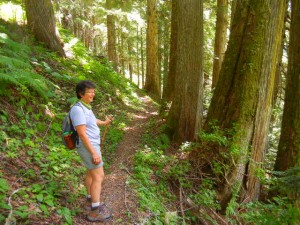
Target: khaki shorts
pixel 86 156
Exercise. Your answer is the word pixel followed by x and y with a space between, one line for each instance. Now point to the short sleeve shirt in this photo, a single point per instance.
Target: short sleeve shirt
pixel 81 115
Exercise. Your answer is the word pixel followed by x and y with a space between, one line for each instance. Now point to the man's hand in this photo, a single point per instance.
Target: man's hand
pixel 96 159
pixel 109 119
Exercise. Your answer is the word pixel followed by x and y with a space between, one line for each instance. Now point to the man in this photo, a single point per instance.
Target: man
pixel 86 125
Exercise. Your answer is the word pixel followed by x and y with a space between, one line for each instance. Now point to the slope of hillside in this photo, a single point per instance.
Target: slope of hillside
pixel 39 178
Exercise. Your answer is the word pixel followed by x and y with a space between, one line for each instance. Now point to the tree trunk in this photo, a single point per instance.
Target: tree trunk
pixel 233 7
pixel 152 75
pixel 130 59
pixel 142 58
pixel 169 89
pixel 165 65
pixel 111 37
pixel 122 41
pixel 184 119
pixel 272 49
pixel 289 148
pixel 220 39
pixel 41 21
pixel 138 57
pixel 241 104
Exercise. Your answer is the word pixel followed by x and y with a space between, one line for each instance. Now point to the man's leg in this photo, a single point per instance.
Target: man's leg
pixel 96 176
pixel 88 182
pixel 98 212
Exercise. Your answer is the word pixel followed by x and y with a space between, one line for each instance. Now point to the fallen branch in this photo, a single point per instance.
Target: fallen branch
pixel 11 220
pixel 202 212
pixel 181 203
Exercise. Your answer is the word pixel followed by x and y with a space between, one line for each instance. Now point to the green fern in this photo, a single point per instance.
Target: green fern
pixel 289 180
pixel 12 48
pixel 11 63
pixel 7 79
pixel 26 80
pixel 15 69
pixel 35 82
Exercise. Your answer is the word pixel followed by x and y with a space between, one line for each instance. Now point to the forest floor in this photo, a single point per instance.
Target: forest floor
pixel 116 192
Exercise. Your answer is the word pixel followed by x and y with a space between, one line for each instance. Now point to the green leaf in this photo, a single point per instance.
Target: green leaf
pixel 40 197
pixel 44 209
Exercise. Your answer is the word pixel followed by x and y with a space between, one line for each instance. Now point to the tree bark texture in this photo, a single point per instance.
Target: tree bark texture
pixel 185 116
pixel 138 52
pixel 272 49
pixel 142 59
pixel 111 37
pixel 169 89
pixel 289 144
pixel 164 31
pixel 152 70
pixel 241 103
pixel 220 39
pixel 233 6
pixel 41 21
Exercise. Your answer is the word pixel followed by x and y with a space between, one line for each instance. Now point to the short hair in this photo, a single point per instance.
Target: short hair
pixel 82 86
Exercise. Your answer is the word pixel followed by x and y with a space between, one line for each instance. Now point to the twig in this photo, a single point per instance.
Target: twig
pixel 11 220
pixel 181 206
pixel 105 131
pixel 104 135
pixel 49 125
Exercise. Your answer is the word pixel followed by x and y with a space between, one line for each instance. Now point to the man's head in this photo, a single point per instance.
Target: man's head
pixel 83 86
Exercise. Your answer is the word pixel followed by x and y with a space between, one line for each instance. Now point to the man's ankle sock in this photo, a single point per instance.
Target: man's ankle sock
pixel 95 205
pixel 89 198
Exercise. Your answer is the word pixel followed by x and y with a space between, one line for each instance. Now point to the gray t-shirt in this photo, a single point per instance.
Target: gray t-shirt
pixel 82 115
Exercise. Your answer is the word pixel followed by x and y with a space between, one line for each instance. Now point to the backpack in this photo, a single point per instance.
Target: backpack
pixel 69 135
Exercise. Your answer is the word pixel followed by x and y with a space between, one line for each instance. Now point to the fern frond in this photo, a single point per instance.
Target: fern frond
pixel 26 80
pixel 34 82
pixel 10 63
pixel 7 80
pixel 289 180
pixel 15 69
pixel 15 47
pixel 10 80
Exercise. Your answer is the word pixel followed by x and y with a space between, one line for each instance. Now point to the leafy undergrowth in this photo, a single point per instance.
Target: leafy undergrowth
pixel 174 190
pixel 39 177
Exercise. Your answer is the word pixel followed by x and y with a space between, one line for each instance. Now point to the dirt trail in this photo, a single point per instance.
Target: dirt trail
pixel 115 192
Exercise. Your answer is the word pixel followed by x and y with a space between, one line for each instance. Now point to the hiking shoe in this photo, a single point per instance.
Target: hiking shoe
pixel 87 205
pixel 101 213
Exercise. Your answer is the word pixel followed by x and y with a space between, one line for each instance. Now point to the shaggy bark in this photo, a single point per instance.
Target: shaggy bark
pixel 241 104
pixel 111 37
pixel 185 116
pixel 41 21
pixel 152 74
pixel 289 147
pixel 220 39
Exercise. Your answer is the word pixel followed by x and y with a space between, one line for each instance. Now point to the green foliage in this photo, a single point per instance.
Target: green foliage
pixel 15 70
pixel 67 214
pixel 151 186
pixel 279 212
pixel 149 179
pixel 288 182
pixel 3 192
pixel 215 137
pixel 155 173
pixel 206 195
pixel 47 172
